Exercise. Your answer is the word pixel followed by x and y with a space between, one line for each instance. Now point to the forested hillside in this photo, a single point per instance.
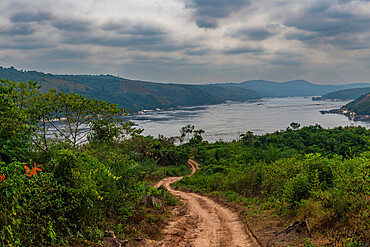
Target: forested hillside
pixel 133 94
pixel 358 109
pixel 360 106
pixel 346 94
pixel 138 95
pixel 292 88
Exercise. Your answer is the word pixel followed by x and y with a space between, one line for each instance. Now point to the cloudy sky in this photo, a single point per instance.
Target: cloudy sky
pixel 190 41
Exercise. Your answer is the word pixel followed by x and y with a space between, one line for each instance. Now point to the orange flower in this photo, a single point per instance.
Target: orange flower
pixel 34 170
pixel 2 177
pixel 27 169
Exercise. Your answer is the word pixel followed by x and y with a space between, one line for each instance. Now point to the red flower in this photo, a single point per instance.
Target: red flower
pixel 34 170
pixel 2 177
pixel 27 169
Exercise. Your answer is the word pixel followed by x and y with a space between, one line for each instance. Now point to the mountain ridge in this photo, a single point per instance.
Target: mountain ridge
pixel 138 95
pixel 292 88
pixel 360 106
pixel 344 94
pixel 133 94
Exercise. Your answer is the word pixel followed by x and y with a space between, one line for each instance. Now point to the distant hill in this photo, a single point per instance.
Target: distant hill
pixel 358 109
pixel 46 80
pixel 139 95
pixel 360 106
pixel 133 94
pixel 345 94
pixel 292 88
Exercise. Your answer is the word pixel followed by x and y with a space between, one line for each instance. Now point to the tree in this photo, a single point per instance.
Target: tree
pixel 248 138
pixel 72 117
pixel 295 125
pixel 186 130
pixel 27 115
pixel 197 137
pixel 16 118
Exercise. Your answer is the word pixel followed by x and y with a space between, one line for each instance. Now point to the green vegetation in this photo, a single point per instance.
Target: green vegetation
pixel 133 94
pixel 358 110
pixel 292 88
pixel 62 185
pixel 138 95
pixel 346 94
pixel 360 106
pixel 322 175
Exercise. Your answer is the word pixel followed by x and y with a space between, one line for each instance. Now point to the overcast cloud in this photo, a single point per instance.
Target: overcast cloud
pixel 190 41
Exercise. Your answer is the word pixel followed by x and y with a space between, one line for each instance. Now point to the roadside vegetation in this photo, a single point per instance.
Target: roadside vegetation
pixel 63 185
pixel 314 174
pixel 73 167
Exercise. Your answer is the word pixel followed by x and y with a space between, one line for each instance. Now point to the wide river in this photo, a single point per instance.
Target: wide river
pixel 227 121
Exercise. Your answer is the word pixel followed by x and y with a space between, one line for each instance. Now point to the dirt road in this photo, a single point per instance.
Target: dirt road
pixel 203 222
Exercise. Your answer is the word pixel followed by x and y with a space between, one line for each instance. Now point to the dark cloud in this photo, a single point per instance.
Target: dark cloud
pixel 351 42
pixel 254 34
pixel 286 59
pixel 18 29
pixel 216 8
pixel 324 24
pixel 164 62
pixel 159 43
pixel 138 36
pixel 324 20
pixel 207 12
pixel 70 25
pixel 206 22
pixel 302 36
pixel 274 26
pixel 30 16
pixel 29 44
pixel 257 34
pixel 241 50
pixel 115 41
pixel 285 62
pixel 197 52
pixel 65 24
pixel 65 54
pixel 344 41
pixel 126 27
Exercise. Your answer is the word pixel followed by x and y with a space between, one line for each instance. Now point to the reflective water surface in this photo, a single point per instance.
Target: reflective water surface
pixel 227 121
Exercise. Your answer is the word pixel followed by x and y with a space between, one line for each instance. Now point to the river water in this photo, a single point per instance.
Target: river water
pixel 227 121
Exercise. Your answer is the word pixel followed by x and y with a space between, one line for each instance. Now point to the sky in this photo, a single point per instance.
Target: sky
pixel 190 41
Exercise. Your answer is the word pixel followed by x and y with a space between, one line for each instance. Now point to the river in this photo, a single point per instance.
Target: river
pixel 227 121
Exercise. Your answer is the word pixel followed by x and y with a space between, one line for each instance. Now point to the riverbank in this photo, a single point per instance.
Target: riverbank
pixel 349 114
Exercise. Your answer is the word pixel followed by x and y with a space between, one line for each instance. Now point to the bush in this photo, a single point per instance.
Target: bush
pixel 35 210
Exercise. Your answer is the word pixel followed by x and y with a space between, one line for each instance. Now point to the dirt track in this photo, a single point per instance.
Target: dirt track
pixel 203 222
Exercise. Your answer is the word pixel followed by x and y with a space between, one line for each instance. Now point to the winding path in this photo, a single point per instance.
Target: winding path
pixel 205 222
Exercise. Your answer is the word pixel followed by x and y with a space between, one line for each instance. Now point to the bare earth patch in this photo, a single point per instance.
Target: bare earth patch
pixel 202 222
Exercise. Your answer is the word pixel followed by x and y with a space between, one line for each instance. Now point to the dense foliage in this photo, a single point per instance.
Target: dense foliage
pixel 322 175
pixel 61 184
pixel 360 106
pixel 346 142
pixel 133 94
pixel 72 167
pixel 292 88
pixel 346 94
